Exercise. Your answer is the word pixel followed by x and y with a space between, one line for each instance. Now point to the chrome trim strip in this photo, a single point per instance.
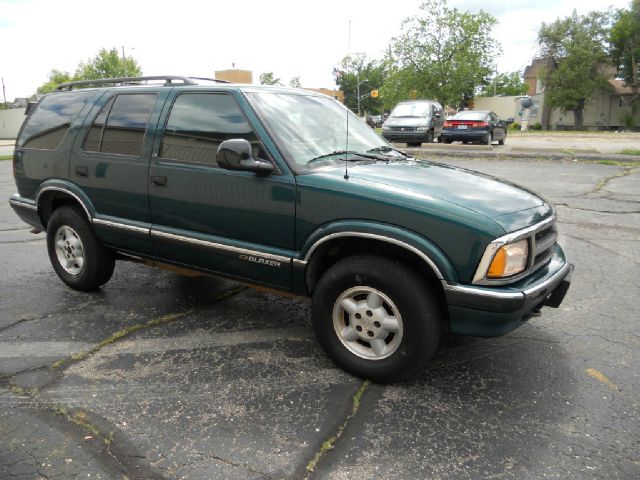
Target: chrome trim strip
pixel 494 295
pixel 563 272
pixel 22 204
pixel 122 226
pixel 60 189
pixel 479 277
pixel 376 237
pixel 301 263
pixel 219 246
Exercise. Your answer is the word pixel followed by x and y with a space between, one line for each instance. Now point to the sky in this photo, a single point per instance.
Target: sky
pixel 197 37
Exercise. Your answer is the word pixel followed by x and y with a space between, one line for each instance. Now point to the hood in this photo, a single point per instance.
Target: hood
pixel 509 205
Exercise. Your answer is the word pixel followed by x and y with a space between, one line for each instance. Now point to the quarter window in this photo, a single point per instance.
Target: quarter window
pixel 49 123
pixel 121 125
pixel 200 122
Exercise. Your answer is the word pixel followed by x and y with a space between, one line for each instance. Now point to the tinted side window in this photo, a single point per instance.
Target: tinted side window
pixel 127 122
pixel 199 123
pixel 48 124
pixel 121 124
pixel 94 137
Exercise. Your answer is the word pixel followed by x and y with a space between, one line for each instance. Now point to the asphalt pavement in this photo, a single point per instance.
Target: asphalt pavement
pixel 162 376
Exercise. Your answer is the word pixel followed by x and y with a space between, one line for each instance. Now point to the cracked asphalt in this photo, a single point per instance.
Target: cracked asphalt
pixel 162 376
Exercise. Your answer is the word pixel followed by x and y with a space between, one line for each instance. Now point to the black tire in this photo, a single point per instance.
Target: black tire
pixel 487 139
pixel 429 137
pixel 414 144
pixel 501 142
pixel 88 263
pixel 395 293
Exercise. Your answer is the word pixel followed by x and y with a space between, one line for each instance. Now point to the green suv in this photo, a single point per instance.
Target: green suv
pixel 287 189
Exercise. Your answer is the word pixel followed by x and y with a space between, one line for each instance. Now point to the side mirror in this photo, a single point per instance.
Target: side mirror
pixel 236 154
pixel 437 115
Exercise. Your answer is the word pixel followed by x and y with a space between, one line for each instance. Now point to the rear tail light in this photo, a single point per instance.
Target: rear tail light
pixel 479 124
pixel 448 124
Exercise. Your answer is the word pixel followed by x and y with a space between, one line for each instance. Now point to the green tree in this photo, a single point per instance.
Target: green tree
pixel 268 78
pixel 443 54
pixel 56 77
pixel 504 84
pixel 357 76
pixel 108 64
pixel 625 51
pixel 295 82
pixel 576 52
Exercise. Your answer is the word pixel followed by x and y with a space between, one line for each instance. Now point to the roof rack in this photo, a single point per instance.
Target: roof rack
pixel 169 80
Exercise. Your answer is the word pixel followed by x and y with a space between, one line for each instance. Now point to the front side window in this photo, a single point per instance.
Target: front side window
pixel 199 123
pixel 121 125
pixel 49 123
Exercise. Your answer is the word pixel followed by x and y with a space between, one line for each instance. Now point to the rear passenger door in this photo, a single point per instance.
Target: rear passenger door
pixel 231 222
pixel 111 164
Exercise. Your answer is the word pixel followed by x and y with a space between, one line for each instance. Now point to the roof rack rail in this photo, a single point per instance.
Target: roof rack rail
pixel 168 79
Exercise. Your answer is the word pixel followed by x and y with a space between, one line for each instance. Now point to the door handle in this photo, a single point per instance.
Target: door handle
pixel 159 181
pixel 82 171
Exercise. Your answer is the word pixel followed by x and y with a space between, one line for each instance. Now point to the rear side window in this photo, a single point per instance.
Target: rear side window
pixel 121 125
pixel 49 123
pixel 200 122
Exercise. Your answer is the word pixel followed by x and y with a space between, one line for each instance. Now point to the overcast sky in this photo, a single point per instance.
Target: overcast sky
pixel 195 37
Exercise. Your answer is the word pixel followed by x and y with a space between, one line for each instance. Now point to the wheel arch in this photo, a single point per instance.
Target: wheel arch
pixel 53 195
pixel 416 252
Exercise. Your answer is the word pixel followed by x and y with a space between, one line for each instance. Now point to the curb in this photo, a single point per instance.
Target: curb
pixel 530 155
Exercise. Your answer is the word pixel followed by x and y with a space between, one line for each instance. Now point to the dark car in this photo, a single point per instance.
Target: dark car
pixel 285 189
pixel 475 126
pixel 374 121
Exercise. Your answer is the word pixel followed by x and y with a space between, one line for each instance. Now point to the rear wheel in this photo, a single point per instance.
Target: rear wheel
pixel 501 142
pixel 77 256
pixel 376 318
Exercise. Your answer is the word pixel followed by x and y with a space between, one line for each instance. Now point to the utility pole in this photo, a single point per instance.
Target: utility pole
pixel 124 62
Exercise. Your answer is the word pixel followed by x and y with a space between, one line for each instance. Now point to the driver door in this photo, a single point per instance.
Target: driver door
pixel 234 223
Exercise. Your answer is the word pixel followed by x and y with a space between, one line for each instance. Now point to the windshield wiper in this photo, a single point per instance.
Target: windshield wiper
pixel 348 152
pixel 386 149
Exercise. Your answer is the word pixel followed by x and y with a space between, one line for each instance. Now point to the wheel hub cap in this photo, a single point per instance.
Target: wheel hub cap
pixel 69 250
pixel 367 323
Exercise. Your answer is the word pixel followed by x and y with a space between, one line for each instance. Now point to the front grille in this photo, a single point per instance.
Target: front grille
pixel 403 129
pixel 542 244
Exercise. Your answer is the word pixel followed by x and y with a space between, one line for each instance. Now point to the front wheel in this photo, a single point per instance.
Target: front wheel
pixel 376 318
pixel 77 256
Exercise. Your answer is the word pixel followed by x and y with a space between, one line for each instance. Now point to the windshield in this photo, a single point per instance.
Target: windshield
pixel 412 110
pixel 307 127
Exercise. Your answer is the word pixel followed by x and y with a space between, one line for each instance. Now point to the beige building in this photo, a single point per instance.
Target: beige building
pixel 234 75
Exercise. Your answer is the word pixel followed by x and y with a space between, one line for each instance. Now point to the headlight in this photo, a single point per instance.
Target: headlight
pixel 509 260
pixel 384 127
pixel 422 129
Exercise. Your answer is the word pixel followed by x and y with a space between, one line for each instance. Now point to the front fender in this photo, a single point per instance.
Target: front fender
pixel 417 244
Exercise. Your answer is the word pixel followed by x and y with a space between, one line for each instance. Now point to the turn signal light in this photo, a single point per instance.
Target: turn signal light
pixel 509 260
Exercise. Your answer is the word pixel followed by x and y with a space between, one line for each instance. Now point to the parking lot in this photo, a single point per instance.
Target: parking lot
pixel 162 376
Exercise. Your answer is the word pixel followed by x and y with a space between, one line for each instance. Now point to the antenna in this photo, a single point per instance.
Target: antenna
pixel 346 147
pixel 346 150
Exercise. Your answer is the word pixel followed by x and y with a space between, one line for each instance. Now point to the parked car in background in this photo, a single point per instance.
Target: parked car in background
pixel 374 121
pixel 414 122
pixel 476 126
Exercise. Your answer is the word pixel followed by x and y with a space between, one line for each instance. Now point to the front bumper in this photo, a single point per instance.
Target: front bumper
pixel 492 311
pixel 408 136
